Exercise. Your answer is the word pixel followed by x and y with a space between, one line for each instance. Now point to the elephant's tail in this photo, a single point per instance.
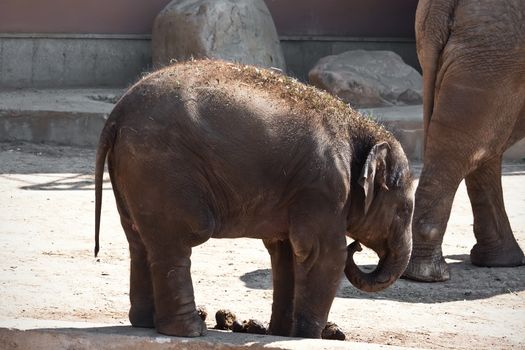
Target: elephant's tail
pixel 105 143
pixel 434 20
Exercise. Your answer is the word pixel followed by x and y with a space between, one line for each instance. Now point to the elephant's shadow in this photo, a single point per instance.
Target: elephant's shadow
pixel 467 282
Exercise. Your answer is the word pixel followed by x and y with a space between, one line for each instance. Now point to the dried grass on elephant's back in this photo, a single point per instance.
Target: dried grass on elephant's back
pixel 303 99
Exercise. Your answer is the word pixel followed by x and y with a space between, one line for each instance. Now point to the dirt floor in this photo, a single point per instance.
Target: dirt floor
pixel 47 268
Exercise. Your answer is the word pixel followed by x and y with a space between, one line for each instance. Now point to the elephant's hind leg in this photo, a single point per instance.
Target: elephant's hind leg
pixel 283 286
pixel 169 233
pixel 461 134
pixel 176 313
pixel 495 245
pixel 169 257
pixel 142 310
pixel 434 198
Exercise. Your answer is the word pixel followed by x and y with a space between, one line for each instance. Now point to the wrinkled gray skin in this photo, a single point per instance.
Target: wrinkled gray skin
pixel 208 149
pixel 473 57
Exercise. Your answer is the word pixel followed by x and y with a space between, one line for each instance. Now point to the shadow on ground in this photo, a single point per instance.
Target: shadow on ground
pixel 69 182
pixel 468 282
pixel 76 182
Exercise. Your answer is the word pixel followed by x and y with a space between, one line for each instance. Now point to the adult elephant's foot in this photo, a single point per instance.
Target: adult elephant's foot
pixel 190 325
pixel 426 266
pixel 497 255
pixel 142 315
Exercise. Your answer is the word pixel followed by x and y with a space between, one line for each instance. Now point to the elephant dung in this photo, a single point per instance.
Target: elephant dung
pixel 203 313
pixel 332 331
pixel 250 326
pixel 225 319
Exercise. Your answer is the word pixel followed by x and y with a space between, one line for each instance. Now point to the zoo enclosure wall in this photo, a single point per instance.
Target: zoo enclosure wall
pixel 70 43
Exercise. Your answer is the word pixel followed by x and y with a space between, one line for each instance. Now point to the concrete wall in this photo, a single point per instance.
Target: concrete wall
pixel 89 60
pixel 57 60
pixel 42 45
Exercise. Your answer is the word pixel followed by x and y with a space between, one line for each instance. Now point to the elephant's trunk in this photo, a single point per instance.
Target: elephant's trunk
pixel 390 267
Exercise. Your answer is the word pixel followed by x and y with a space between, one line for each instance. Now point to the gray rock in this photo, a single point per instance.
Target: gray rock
pixel 240 31
pixel 368 78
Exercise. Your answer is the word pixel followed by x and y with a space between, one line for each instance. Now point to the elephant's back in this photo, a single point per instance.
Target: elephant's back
pixel 200 115
pixel 489 29
pixel 485 44
pixel 220 78
pixel 241 112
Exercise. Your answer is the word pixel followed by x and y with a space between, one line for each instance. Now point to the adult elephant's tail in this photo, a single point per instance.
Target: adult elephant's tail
pixel 433 27
pixel 105 143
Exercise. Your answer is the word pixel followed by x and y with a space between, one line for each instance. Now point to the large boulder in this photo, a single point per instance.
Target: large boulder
pixel 368 78
pixel 240 31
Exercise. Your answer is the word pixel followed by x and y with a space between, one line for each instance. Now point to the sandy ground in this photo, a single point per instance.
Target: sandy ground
pixel 47 268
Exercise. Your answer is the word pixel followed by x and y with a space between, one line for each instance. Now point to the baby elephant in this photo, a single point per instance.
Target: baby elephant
pixel 213 149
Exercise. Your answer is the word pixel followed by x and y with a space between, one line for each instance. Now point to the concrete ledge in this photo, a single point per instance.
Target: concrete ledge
pixel 75 117
pixel 406 122
pixel 71 117
pixel 39 334
pixel 66 128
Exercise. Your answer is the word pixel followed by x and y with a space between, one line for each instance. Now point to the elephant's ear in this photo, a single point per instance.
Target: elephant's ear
pixel 374 172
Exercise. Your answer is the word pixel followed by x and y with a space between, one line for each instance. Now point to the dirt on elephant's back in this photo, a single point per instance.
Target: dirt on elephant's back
pixel 303 99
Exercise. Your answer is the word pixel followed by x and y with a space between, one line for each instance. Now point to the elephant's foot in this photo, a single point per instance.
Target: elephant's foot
pixel 426 267
pixel 497 255
pixel 142 315
pixel 306 327
pixel 281 322
pixel 190 325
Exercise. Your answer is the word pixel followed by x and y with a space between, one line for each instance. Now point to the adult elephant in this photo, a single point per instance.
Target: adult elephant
pixel 473 57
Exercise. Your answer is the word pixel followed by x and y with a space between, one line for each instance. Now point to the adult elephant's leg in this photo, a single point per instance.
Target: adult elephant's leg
pixel 319 245
pixel 451 143
pixel 283 286
pixel 495 245
pixel 463 134
pixel 433 203
pixel 142 310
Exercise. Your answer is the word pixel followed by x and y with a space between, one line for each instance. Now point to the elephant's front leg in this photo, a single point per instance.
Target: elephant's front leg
pixel 320 255
pixel 496 245
pixel 283 286
pixel 142 310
